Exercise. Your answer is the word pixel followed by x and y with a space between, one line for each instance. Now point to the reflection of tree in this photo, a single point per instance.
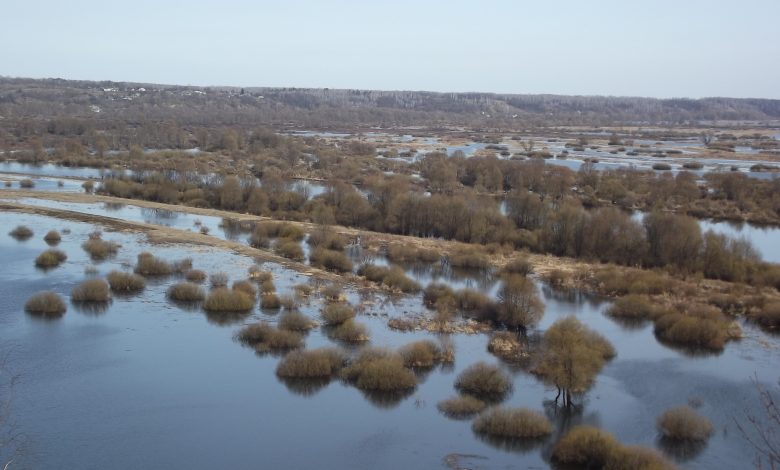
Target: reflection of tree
pixel 11 439
pixel 761 431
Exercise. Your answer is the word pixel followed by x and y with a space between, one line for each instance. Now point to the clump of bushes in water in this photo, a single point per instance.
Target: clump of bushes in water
pixel 150 265
pixel 27 183
pixel 270 301
pixel 21 233
pixel 425 353
pixel 311 363
pixel 633 307
pixel 98 248
pixel 219 279
pixel 519 266
pixel 699 327
pixel 289 249
pixel 590 447
pixel 484 381
pixel 223 299
pixel 186 292
pixel 469 258
pixel 332 293
pixel 259 276
pixel 436 291
pixel 619 282
pixel 684 424
pixel 350 331
pixel 405 253
pixel 379 370
pixel 330 260
pixel 50 258
pixel 662 166
pixel 246 287
pixel 512 423
pixel 47 304
pixel 267 286
pixel 52 237
pixel 125 283
pixel 283 230
pixel 264 337
pixel 461 406
pixel 768 317
pixel 195 275
pixel 288 302
pixel 394 277
pixel 335 313
pixel 506 345
pixel 91 290
pixel 693 165
pixel 326 238
pixel 296 321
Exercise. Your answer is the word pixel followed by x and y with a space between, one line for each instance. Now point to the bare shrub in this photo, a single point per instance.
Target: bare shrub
pixel 150 265
pixel 246 287
pixel 52 237
pixel 311 363
pixel 350 331
pixel 585 447
pixel 424 353
pixel 379 370
pixel 186 292
pixel 296 321
pixel 21 233
pixel 219 279
pixel 99 249
pixel 633 307
pixel 512 423
pixel 461 406
pixel 484 381
pixel 195 275
pixel 684 424
pixel 47 304
pixel 699 327
pixel 290 249
pixel 125 283
pixel 91 290
pixel 264 337
pixel 270 301
pixel 50 258
pixel 330 260
pixel 337 313
pixel 223 299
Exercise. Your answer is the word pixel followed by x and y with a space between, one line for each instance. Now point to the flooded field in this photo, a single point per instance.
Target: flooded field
pixel 96 387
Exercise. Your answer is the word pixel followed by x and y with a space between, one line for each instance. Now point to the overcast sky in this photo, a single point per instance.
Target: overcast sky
pixel 661 48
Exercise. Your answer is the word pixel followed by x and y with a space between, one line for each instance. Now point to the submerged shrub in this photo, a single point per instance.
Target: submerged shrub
pixel 506 345
pixel 125 282
pixel 149 265
pixel 379 370
pixel 270 301
pixel 684 424
pixel 336 314
pixel 469 259
pixel 21 232
pixel 484 381
pixel 424 353
pixel 26 183
pixel 48 304
pixel 330 260
pixel 264 337
pixel 267 286
pixel 195 275
pixel 100 249
pixel 520 266
pixel 53 237
pixel 701 326
pixel 223 299
pixel 461 406
pixel 633 307
pixel 246 287
pixel 219 279
pixel 50 258
pixel 394 277
pixel 405 253
pixel 512 423
pixel 332 293
pixel 350 331
pixel 637 458
pixel 768 317
pixel 296 321
pixel 327 239
pixel 476 304
pixel 311 363
pixel 91 290
pixel 436 291
pixel 289 249
pixel 585 447
pixel 186 292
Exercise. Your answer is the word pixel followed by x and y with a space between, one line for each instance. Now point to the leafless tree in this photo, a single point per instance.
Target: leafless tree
pixel 761 430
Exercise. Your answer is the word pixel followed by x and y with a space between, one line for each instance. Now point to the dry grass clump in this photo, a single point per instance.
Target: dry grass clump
pixel 591 447
pixel 246 287
pixel 150 265
pixel 469 259
pixel 26 183
pixel 267 286
pixel 614 281
pixel 264 337
pixel 288 302
pixel 484 381
pixel 700 327
pixel 47 304
pixel 270 301
pixel 476 304
pixel 50 258
pixel 402 324
pixel 425 353
pixel 406 253
pixel 303 290
pixel 684 424
pixel 223 299
pixel 327 239
pixel 633 307
pixel 289 249
pixel 21 233
pixel 506 345
pixel 768 317
pixel 330 260
pixel 515 423
pixel 100 249
pixel 125 283
pixel 461 406
pixel 436 291
pixel 379 370
pixel 91 290
pixel 394 277
pixel 294 320
pixel 311 363
pixel 585 447
pixel 219 279
pixel 350 331
pixel 520 266
pixel 288 231
pixel 186 292
pixel 259 238
pixel 332 293
pixel 182 266
pixel 335 313
pixel 195 275
pixel 259 276
pixel 52 237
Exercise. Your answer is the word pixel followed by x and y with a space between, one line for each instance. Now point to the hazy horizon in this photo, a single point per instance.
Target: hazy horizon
pixel 656 49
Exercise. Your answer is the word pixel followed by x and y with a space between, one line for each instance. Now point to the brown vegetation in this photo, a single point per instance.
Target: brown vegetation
pixel 461 406
pixel 47 304
pixel 484 381
pixel 91 290
pixel 125 283
pixel 50 258
pixel 264 337
pixel 684 424
pixel 517 423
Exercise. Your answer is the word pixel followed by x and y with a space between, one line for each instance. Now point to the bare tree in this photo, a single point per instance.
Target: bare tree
pixel 761 431
pixel 10 436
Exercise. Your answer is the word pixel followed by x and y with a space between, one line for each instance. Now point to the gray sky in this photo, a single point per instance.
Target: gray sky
pixel 660 48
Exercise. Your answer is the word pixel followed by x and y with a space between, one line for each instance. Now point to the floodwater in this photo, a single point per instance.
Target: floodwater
pixel 148 384
pixel 41 183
